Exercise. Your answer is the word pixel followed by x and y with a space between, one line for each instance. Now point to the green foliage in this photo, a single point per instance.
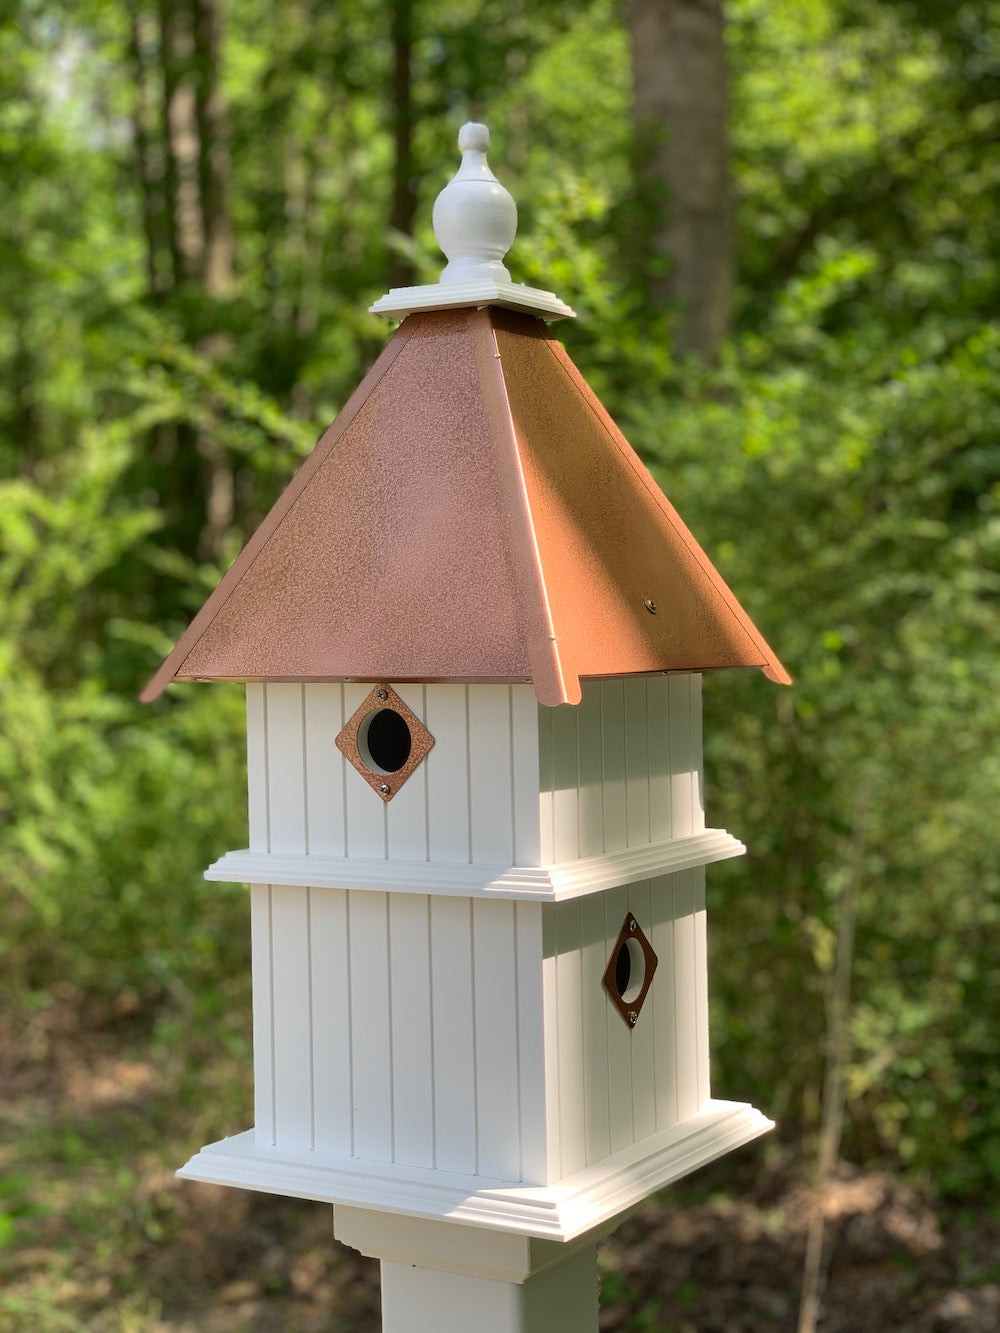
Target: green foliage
pixel 840 464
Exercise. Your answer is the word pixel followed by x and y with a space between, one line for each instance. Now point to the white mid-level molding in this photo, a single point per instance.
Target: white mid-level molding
pixel 548 884
pixel 577 1204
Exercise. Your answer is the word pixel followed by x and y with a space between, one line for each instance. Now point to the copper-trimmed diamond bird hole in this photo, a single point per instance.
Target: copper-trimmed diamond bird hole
pixel 385 741
pixel 629 973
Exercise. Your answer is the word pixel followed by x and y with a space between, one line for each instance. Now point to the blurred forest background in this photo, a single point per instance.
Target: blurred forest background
pixel 794 322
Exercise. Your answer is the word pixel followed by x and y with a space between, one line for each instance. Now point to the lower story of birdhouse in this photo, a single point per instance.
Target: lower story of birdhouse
pixel 473 1045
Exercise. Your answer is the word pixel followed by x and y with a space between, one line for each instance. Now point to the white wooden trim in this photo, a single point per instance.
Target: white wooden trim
pixel 547 884
pixel 584 1200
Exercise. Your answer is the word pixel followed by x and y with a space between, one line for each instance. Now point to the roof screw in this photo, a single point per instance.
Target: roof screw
pixel 383 695
pixel 384 788
pixel 650 605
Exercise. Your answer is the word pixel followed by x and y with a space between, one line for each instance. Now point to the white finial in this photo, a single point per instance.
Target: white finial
pixel 475 222
pixel 475 218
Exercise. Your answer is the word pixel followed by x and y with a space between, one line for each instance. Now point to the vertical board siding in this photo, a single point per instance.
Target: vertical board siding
pixel 589 758
pixel 371 1034
pixel 636 762
pixel 685 992
pixel 613 764
pixel 292 1001
pixel 453 1056
pixel 701 986
pixel 412 1063
pixel 597 1014
pixel 642 1047
pixel 324 717
pixel 565 784
pixel 406 813
pixel 263 1015
pixel 572 1077
pixel 447 768
pixel 682 758
pixel 491 787
pixel 531 1039
pixel 619 1046
pixel 551 1019
pixel 661 998
pixel 364 809
pixel 658 720
pixel 524 768
pixel 260 836
pixel 329 968
pixel 545 784
pixel 495 1044
pixel 286 768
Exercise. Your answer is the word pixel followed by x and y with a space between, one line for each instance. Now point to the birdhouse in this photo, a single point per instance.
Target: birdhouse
pixel 472 632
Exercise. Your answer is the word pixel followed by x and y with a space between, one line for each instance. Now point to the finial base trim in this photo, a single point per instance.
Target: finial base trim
pixel 403 301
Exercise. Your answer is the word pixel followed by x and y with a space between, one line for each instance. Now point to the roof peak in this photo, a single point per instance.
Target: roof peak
pixel 475 222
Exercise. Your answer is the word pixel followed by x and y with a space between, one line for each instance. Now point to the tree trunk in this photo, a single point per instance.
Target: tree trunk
pixel 679 113
pixel 404 195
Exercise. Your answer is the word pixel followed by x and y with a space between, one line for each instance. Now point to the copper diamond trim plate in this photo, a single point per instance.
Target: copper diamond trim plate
pixel 348 741
pixel 628 999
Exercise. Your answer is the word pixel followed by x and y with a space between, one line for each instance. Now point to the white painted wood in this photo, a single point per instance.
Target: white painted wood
pixel 412 1056
pixel 552 883
pixel 292 1003
pixel 531 1041
pixel 454 1064
pixel 447 768
pixel 524 762
pixel 658 720
pixel 365 809
pixel 572 1077
pixel 263 1015
pixel 662 1005
pixel 642 1047
pixel 636 762
pixel 701 986
pixel 560 1299
pixel 590 746
pixel 619 1047
pixel 565 784
pixel 597 1013
pixel 490 778
pixel 698 766
pixel 257 768
pixel 561 1211
pixel 495 1043
pixel 682 759
pixel 613 743
pixel 550 1014
pixel 685 991
pixel 329 968
pixel 545 784
pixel 371 1035
pixel 324 717
pixel 286 767
pixel 406 813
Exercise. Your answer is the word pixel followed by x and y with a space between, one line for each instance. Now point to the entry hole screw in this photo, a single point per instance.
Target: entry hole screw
pixel 384 788
pixel 382 695
pixel 633 1017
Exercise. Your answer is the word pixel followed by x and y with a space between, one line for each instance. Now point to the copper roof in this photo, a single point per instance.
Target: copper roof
pixel 472 514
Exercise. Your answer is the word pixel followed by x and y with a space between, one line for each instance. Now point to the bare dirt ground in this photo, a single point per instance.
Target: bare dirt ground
pixel 97 1234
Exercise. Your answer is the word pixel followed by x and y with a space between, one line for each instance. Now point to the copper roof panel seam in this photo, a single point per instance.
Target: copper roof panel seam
pixel 550 679
pixel 771 666
pixel 173 664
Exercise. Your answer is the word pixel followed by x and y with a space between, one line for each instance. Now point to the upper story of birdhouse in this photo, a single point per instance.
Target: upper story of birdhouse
pixel 475 537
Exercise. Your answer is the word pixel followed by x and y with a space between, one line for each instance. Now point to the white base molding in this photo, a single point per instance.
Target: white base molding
pixel 576 1204
pixel 547 884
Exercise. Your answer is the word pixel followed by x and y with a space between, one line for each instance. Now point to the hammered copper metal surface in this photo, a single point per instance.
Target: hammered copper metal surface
pixel 385 785
pixel 629 1008
pixel 472 514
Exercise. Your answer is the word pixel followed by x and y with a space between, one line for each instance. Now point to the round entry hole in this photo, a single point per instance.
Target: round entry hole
pixel 630 970
pixel 384 741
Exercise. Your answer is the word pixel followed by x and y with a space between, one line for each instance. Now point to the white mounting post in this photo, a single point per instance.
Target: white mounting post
pixel 475 222
pixel 438 1277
